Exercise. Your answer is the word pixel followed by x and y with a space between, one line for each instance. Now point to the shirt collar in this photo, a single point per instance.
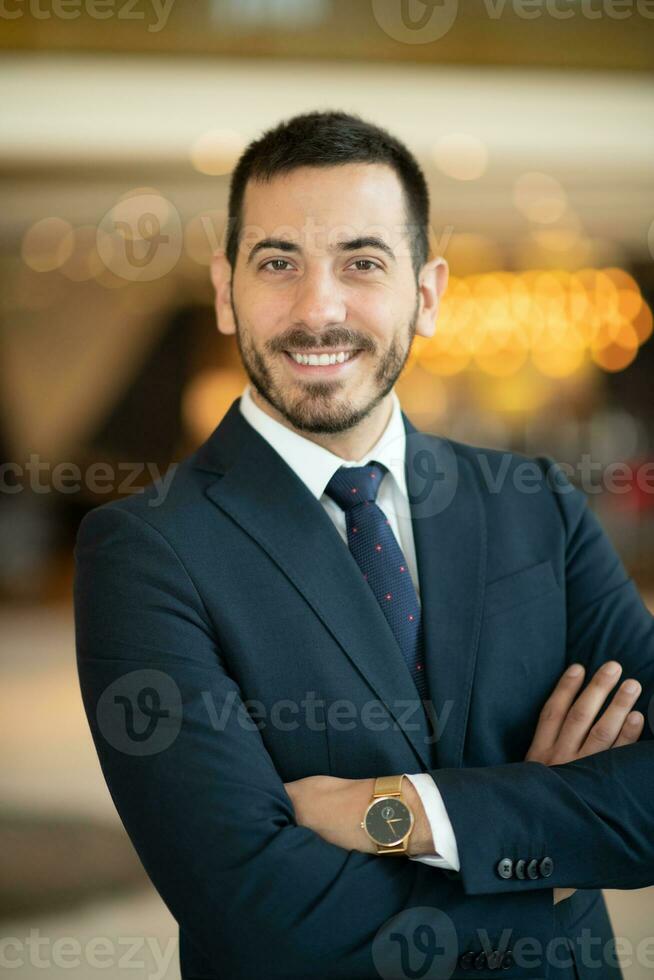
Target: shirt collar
pixel 314 464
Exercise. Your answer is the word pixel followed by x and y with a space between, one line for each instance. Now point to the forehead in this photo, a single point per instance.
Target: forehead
pixel 355 195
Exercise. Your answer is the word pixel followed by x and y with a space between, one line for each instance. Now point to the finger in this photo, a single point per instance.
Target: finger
pixel 604 732
pixel 583 712
pixel 554 711
pixel 631 730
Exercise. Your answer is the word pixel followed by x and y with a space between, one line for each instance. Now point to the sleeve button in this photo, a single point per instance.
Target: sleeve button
pixel 493 959
pixel 480 961
pixel 505 868
pixel 546 867
pixel 520 869
pixel 532 869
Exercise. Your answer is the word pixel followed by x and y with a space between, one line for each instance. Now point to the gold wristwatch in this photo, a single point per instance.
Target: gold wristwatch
pixel 388 820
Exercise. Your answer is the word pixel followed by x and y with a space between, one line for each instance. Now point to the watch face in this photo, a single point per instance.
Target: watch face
pixel 388 820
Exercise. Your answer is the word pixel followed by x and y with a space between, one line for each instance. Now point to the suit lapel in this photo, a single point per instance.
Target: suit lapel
pixel 273 506
pixel 449 529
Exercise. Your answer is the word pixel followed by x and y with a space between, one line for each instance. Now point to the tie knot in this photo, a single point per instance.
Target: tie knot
pixel 352 485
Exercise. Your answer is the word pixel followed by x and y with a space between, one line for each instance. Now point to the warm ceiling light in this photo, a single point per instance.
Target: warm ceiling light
pixel 461 156
pixel 282 14
pixel 539 197
pixel 215 152
pixel 47 244
pixel 559 320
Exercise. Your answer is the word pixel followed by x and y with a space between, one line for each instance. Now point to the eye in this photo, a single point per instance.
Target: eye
pixel 271 261
pixel 273 265
pixel 368 262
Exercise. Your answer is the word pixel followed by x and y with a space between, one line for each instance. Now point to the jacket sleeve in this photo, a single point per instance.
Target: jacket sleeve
pixel 205 808
pixel 593 817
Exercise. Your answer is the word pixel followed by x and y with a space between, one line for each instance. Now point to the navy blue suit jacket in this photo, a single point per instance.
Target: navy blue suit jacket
pixel 235 586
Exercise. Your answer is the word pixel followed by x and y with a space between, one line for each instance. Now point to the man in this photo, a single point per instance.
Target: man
pixel 327 677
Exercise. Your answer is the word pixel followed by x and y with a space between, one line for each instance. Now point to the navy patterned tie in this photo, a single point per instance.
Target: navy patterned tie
pixel 379 556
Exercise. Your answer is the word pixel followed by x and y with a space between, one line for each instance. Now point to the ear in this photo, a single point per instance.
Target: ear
pixel 433 283
pixel 221 277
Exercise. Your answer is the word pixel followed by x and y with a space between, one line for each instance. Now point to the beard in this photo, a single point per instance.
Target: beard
pixel 314 406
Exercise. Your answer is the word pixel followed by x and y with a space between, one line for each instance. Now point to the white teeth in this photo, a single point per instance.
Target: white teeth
pixel 320 359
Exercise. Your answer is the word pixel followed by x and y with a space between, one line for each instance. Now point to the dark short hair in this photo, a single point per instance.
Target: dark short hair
pixel 327 139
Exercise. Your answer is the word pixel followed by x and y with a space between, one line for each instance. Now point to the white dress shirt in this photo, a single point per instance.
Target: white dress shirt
pixel 315 466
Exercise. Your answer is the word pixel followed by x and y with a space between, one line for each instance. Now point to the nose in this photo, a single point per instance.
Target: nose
pixel 318 301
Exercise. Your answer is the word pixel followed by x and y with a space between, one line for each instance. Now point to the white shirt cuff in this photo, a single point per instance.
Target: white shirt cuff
pixel 442 831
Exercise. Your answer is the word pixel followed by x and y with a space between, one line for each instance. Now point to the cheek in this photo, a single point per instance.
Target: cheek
pixel 264 316
pixel 379 313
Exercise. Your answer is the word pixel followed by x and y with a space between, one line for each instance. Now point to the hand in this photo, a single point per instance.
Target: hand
pixel 565 729
pixel 560 894
pixel 334 809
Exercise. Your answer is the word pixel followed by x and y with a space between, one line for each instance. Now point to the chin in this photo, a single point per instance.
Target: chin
pixel 331 419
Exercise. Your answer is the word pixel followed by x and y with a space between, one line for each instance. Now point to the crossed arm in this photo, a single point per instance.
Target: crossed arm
pixel 586 780
pixel 567 729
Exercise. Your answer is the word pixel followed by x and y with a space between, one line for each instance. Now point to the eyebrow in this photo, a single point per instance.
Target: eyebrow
pixel 353 245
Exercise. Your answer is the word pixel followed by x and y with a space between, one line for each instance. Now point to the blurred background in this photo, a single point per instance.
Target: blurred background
pixel 121 122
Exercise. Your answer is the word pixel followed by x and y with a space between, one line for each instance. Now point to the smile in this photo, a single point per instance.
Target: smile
pixel 323 359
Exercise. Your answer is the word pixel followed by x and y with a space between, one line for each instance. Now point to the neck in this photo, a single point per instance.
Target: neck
pixel 352 444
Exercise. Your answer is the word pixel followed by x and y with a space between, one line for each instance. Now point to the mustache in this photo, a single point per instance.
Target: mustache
pixel 298 339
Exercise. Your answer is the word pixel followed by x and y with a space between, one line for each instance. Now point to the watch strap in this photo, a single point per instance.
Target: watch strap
pixel 388 786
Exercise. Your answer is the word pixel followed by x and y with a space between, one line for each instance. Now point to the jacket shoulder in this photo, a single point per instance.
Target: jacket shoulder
pixel 488 461
pixel 161 503
pixel 511 478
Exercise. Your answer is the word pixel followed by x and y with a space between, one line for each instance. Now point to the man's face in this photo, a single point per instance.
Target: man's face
pixel 324 268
